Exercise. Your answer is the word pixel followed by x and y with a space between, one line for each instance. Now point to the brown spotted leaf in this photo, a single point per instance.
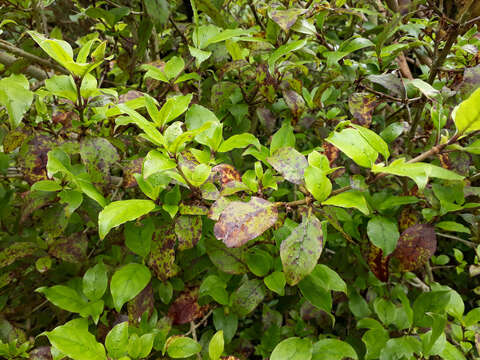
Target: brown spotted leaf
pixel 98 155
pixel 33 158
pixel 188 230
pixel 162 253
pixel 241 222
pixel 361 106
pixel 248 296
pixel 295 102
pixel 290 163
pixel 70 249
pixel 226 173
pixel 415 246
pixel 301 250
pixel 230 261
pixel 193 209
pixel 13 140
pixel 185 308
pixel 408 217
pixel 16 251
pixel 331 152
pixel 378 263
pixel 131 168
pixel 286 18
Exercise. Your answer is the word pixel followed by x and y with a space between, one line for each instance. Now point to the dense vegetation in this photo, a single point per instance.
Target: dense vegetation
pixel 239 179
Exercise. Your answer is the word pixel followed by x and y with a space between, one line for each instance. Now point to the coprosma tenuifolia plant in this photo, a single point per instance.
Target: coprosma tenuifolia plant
pixel 239 179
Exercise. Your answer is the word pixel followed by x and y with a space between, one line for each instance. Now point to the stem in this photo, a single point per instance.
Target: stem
pixel 463 241
pixel 255 15
pixel 305 201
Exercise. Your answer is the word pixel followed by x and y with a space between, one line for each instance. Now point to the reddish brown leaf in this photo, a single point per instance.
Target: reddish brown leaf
pixel 185 308
pixel 331 152
pixel 415 246
pixel 241 222
pixel 361 106
pixel 140 304
pixel 378 263
pixel 132 167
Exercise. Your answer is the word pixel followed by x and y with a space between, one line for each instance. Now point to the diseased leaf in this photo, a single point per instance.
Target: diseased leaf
pixel 162 253
pixel 301 250
pixel 188 230
pixel 295 102
pixel 286 18
pixel 241 222
pixel 415 246
pixel 247 297
pixel 185 308
pixel 362 105
pixel 229 260
pixel 378 263
pixel 290 163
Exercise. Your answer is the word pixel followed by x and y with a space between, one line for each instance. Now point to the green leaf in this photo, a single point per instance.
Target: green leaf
pixel 425 88
pixel 401 347
pixel 46 185
pixel 314 289
pixel 349 199
pixel 64 297
pixel 451 352
pixel 374 140
pixel 119 212
pixel 453 226
pixel 156 162
pixel 138 238
pixel 355 146
pixel 196 117
pixel 472 317
pixel 74 341
pixel 293 348
pixel 239 142
pixel 173 108
pixel 215 348
pixel 284 137
pixel 283 51
pixel 330 279
pixel 241 222
pixel 158 11
pixel 116 341
pixel 259 262
pixel 147 126
pixel 290 163
pixel 16 96
pixel 276 282
pixel 128 282
pixel 383 233
pixel 180 347
pixel 418 172
pixel 301 250
pixel 333 349
pixel 247 297
pixel 473 148
pixel 215 287
pixel 317 183
pixel 347 48
pixel 467 115
pixel 62 86
pixel 199 55
pixel 95 282
pixel 140 346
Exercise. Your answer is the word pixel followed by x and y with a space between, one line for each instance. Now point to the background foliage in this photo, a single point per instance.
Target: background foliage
pixel 239 179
